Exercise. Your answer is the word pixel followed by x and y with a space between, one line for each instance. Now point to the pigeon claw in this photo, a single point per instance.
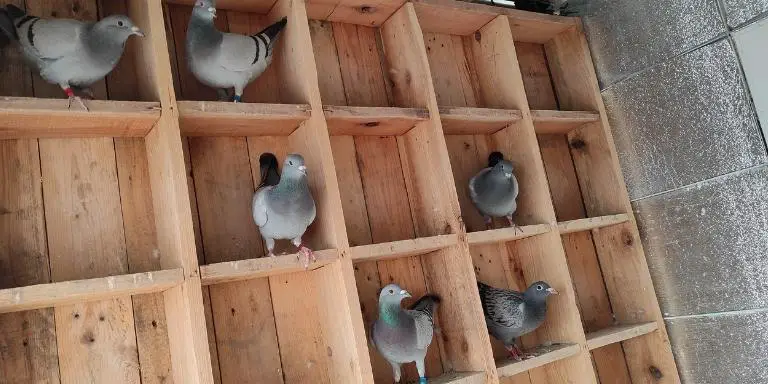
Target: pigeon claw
pixel 79 101
pixel 308 255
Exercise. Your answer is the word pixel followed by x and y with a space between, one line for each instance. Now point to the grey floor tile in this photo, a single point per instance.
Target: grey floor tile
pixel 752 44
pixel 721 349
pixel 707 244
pixel 627 36
pixel 684 121
pixel 740 11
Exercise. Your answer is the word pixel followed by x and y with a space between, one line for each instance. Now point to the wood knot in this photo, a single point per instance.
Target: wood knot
pixel 627 239
pixel 367 9
pixel 154 323
pixel 655 372
pixel 372 124
pixel 88 338
pixel 478 36
pixel 577 143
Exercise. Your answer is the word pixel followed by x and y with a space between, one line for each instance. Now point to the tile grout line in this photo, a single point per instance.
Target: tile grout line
pixel 718 314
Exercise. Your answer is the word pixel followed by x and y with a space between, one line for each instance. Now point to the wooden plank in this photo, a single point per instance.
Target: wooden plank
pixel 238 270
pixel 403 248
pixel 255 6
pixel 451 18
pixel 590 223
pixel 460 378
pixel 361 65
pixel 619 333
pixel 86 240
pixel 80 291
pixel 622 260
pixel 26 117
pixel 561 122
pixel 536 78
pixel 362 12
pixel 216 118
pixel 504 235
pixel 544 356
pixel 476 121
pixel 454 82
pixel 372 121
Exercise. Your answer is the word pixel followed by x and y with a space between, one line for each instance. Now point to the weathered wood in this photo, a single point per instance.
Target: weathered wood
pixel 402 248
pixel 372 121
pixel 80 291
pixel 216 118
pixel 544 356
pixel 231 271
pixel 619 333
pixel 476 121
pixel 506 234
pixel 590 223
pixel 561 122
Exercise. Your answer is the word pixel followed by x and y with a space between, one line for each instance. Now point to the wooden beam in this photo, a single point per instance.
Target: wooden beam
pixel 476 121
pixel 561 122
pixel 81 291
pixel 373 121
pixel 460 378
pixel 619 333
pixel 403 248
pixel 229 271
pixel 504 235
pixel 251 6
pixel 217 118
pixel 27 117
pixel 590 223
pixel 544 356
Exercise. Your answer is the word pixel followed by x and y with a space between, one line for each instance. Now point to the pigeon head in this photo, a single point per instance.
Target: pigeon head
pixel 539 291
pixel 119 27
pixel 393 294
pixel 293 166
pixel 205 9
pixel 503 169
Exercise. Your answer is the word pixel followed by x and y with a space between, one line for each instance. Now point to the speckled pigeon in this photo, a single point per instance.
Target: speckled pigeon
pixel 69 53
pixel 511 314
pixel 283 206
pixel 403 336
pixel 494 190
pixel 227 60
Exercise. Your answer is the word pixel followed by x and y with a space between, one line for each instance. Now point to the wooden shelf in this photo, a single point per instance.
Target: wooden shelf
pixel 561 122
pixel 402 248
pixel 79 291
pixel 619 333
pixel 372 121
pixel 544 355
pixel 239 270
pixel 476 121
pixel 29 117
pixel 590 223
pixel 459 378
pixel 222 118
pixel 506 234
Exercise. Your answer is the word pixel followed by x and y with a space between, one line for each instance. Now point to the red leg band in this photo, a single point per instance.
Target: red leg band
pixel 69 92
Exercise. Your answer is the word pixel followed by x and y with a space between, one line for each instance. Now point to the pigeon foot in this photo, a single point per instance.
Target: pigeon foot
pixel 515 226
pixel 71 94
pixel 515 353
pixel 308 254
pixel 488 223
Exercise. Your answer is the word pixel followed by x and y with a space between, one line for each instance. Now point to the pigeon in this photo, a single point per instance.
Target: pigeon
pixel 283 206
pixel 553 7
pixel 403 336
pixel 494 190
pixel 66 52
pixel 511 314
pixel 227 60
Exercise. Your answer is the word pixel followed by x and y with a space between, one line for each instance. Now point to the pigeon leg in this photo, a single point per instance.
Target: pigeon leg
pixel 488 222
pixel 396 371
pixel 304 250
pixel 514 352
pixel 71 94
pixel 88 93
pixel 422 371
pixel 515 226
pixel 238 95
pixel 223 94
pixel 270 246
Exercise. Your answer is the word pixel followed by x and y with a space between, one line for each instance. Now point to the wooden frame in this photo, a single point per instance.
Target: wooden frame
pixel 127 230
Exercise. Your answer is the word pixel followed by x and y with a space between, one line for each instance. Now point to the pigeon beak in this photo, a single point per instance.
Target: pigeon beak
pixel 552 291
pixel 405 293
pixel 303 168
pixel 212 10
pixel 136 31
pixel 508 175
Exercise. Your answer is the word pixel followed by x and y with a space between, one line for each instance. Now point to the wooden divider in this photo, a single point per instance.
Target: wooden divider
pixel 394 107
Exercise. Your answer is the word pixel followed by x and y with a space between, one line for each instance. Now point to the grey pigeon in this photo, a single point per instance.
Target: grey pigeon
pixel 283 206
pixel 511 314
pixel 403 336
pixel 66 52
pixel 494 190
pixel 227 60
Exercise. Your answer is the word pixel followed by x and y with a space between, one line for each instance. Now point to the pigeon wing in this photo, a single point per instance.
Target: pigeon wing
pixel 238 52
pixel 474 183
pixel 503 307
pixel 260 207
pixel 53 39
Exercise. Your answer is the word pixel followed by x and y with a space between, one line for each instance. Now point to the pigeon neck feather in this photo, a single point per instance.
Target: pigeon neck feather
pixel 104 44
pixel 203 31
pixel 390 313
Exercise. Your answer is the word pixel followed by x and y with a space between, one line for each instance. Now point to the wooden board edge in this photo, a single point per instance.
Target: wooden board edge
pixel 590 223
pixel 563 351
pixel 402 248
pixel 619 333
pixel 504 235
pixel 239 270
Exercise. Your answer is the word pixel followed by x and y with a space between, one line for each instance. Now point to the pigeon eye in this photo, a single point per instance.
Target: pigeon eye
pixel 391 292
pixel 539 287
pixel 120 23
pixel 291 163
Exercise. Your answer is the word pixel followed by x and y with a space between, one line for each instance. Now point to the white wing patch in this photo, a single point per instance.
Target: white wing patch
pixel 52 39
pixel 260 206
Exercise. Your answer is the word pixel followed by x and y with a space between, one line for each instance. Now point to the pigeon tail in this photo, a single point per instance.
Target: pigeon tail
pixel 15 12
pixel 427 304
pixel 273 30
pixel 494 159
pixel 6 25
pixel 268 165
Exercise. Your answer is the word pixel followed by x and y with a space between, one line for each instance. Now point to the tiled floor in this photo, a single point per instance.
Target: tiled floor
pixel 679 79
